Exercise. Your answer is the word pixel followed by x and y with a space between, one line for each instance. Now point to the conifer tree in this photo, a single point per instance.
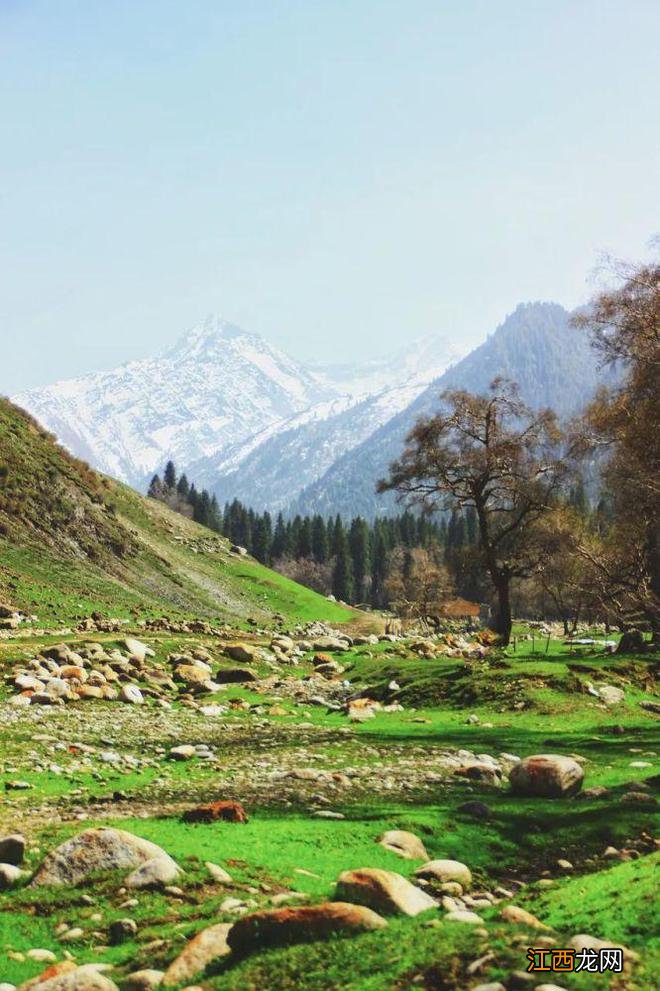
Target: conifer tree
pixel 342 574
pixel 155 490
pixel 304 549
pixel 279 548
pixel 320 548
pixel 360 555
pixel 262 538
pixel 169 477
pixel 379 565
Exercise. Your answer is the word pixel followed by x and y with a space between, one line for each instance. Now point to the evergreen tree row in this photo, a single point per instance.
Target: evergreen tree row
pixel 349 560
pixel 352 560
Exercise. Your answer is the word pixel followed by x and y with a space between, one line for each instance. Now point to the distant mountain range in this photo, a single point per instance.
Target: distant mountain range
pixel 536 346
pixel 247 421
pixel 218 384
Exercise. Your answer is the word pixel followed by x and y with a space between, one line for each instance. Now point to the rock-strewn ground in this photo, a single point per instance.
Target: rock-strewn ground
pixel 328 744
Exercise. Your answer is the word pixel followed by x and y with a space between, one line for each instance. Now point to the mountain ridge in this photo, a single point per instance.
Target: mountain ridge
pixel 244 420
pixel 536 345
pixel 199 400
pixel 181 403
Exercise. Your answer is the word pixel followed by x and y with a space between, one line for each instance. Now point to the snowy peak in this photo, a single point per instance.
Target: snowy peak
pixel 246 420
pixel 216 386
pixel 207 337
pixel 421 361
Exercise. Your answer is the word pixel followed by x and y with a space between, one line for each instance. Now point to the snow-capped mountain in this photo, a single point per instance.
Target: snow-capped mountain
pixel 536 346
pixel 246 421
pixel 270 469
pixel 424 359
pixel 237 414
pixel 216 386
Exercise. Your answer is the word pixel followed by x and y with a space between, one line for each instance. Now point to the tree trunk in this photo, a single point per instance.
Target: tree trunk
pixel 503 623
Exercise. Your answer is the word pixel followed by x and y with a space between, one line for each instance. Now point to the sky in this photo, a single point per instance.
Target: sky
pixel 340 176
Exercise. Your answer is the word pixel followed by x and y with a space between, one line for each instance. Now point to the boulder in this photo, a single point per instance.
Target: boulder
pixel 583 941
pixel 330 643
pixel 143 980
pixel 463 915
pixel 29 682
pixel 610 694
pixel 95 851
pixel 597 791
pixel 329 670
pixel 235 676
pixel 223 811
pixel 208 945
pixel 41 956
pixel 72 672
pixel 487 774
pixel 639 798
pixel 546 776
pixel 9 876
pixel 446 870
pixel 131 694
pixel 58 688
pixel 517 915
pixel 404 844
pixel 154 873
pixel 219 874
pixel 282 926
pixel 138 649
pixel 185 751
pixel 191 674
pixel 283 643
pixel 57 652
pixel 120 930
pixel 320 659
pixel 91 692
pixel 12 849
pixel 384 891
pixel 67 977
pixel 242 652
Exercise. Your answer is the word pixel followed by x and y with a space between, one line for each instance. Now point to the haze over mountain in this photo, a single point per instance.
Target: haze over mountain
pixel 247 421
pixel 216 396
pixel 535 346
pixel 217 385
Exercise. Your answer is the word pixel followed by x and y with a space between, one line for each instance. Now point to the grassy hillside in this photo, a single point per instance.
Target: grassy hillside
pixel 73 542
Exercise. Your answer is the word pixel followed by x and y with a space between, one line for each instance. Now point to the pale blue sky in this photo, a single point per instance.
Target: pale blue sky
pixel 338 176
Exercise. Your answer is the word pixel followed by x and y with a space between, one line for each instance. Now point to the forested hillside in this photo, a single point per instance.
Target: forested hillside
pixel 73 543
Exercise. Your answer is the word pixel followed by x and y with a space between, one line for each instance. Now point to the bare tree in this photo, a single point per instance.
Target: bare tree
pixel 494 453
pixel 624 422
pixel 563 575
pixel 418 584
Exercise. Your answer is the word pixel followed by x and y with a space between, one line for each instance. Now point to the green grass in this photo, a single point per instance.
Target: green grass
pixel 73 542
pixel 522 839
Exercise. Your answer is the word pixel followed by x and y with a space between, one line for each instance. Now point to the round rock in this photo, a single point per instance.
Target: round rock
pixel 546 776
pixel 446 870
